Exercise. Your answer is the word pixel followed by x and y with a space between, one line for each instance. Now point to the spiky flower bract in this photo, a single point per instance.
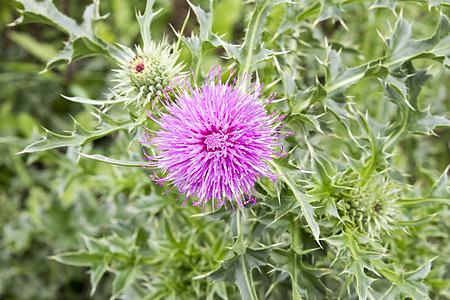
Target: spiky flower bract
pixel 214 141
pixel 144 73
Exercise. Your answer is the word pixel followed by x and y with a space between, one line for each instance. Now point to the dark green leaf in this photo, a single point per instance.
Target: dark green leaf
pixel 238 270
pixel 307 209
pixel 305 280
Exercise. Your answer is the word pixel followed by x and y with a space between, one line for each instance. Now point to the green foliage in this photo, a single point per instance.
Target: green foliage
pixel 82 40
pixel 360 209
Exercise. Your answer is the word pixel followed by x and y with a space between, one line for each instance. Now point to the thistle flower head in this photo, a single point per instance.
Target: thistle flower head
pixel 214 141
pixel 142 75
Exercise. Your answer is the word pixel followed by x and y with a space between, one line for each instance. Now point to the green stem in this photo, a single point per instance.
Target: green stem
pixel 238 224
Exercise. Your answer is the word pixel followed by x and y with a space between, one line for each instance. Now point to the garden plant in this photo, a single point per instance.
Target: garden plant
pixel 225 149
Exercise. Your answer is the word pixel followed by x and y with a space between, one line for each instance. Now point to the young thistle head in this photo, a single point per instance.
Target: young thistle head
pixel 144 73
pixel 370 207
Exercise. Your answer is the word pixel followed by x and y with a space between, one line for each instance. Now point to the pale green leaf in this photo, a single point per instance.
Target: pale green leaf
pixel 94 102
pixel 433 3
pixel 145 22
pixel 111 161
pixel 330 10
pixel 79 259
pixel 78 137
pixel 391 4
pixel 417 222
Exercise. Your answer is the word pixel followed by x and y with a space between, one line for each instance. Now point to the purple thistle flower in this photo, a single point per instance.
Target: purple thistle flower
pixel 214 141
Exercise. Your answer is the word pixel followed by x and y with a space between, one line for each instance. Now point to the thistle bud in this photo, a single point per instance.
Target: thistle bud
pixel 371 208
pixel 143 75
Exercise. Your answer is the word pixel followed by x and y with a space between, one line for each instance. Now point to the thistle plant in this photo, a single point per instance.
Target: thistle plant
pixel 340 159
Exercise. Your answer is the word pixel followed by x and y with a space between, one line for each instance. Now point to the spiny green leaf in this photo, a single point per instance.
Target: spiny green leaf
pixel 238 270
pixel 145 22
pixel 414 80
pixel 320 174
pixel 340 78
pixel 205 21
pixel 424 122
pixel 441 186
pixel 440 193
pixel 305 280
pixel 311 120
pixel 402 47
pixel 358 262
pixel 195 47
pixel 330 10
pixel 420 273
pixel 46 12
pixel 307 209
pixel 79 136
pixel 396 89
pixel 302 100
pixel 414 120
pixel 405 284
pixel 363 281
pixel 252 42
pixel 198 44
pixel 391 4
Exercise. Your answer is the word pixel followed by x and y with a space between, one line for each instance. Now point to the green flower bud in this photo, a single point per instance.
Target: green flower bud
pixel 143 75
pixel 371 208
